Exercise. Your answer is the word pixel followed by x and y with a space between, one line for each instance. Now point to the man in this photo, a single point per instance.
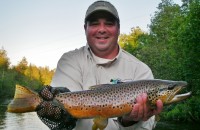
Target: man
pixel 102 60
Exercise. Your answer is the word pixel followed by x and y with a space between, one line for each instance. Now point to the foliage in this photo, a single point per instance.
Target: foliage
pixel 130 42
pixel 23 74
pixel 187 111
pixel 4 60
pixel 22 66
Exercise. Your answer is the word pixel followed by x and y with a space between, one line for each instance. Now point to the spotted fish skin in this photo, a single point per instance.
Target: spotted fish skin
pixel 105 102
pixel 115 100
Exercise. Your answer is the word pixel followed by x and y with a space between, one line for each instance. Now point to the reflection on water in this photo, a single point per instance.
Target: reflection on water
pixel 24 121
pixel 2 117
pixel 19 121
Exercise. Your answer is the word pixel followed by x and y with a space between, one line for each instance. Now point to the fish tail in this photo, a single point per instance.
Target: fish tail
pixel 25 100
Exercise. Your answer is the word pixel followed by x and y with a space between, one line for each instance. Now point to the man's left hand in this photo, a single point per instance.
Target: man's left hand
pixel 142 110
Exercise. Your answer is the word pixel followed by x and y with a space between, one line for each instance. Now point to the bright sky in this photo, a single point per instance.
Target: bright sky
pixel 42 30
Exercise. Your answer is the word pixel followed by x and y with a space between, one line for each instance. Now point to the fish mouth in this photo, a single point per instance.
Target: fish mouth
pixel 180 97
pixel 175 96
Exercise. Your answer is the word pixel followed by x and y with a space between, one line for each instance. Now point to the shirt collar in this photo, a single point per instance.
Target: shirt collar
pixel 102 61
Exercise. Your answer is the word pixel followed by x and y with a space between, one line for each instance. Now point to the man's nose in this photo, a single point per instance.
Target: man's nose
pixel 102 28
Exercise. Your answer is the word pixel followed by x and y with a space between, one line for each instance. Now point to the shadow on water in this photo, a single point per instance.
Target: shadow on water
pixel 3 106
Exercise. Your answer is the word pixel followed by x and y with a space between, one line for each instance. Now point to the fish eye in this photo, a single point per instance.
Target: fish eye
pixel 171 86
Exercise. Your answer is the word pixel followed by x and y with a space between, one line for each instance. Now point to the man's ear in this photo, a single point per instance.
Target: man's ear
pixel 118 31
pixel 85 27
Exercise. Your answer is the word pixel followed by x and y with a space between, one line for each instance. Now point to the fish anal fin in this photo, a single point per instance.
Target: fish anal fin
pixel 99 123
pixel 157 118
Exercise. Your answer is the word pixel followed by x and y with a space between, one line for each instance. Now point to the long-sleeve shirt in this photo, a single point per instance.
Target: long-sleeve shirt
pixel 79 69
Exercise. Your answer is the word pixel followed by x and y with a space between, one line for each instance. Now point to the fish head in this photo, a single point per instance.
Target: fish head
pixel 167 91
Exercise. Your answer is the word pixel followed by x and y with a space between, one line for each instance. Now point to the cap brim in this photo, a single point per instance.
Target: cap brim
pixel 100 10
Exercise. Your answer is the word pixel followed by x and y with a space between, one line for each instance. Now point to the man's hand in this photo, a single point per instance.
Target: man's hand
pixel 141 111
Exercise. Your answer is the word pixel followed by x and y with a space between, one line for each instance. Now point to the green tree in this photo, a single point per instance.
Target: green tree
pixel 185 41
pixel 129 42
pixel 161 23
pixel 22 66
pixel 46 75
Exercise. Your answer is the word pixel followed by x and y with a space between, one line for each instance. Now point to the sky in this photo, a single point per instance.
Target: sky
pixel 42 30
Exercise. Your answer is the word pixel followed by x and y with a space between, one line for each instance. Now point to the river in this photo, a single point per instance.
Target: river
pixel 30 121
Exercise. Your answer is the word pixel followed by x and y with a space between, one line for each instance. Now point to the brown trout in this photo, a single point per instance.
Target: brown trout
pixel 103 101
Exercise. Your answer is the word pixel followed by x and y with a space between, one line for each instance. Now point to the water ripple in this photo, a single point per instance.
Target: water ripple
pixel 23 121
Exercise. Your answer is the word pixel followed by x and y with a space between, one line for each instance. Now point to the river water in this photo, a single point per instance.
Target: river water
pixel 30 121
pixel 19 121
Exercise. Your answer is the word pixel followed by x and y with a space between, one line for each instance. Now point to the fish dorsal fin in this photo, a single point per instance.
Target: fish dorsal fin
pixel 100 86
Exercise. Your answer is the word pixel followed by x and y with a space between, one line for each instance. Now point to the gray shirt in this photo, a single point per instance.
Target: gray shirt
pixel 79 69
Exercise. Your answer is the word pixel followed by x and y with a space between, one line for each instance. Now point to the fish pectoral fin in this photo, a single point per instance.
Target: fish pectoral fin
pixel 157 118
pixel 100 123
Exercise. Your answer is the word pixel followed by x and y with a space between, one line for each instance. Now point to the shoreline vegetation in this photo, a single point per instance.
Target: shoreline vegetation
pixel 170 48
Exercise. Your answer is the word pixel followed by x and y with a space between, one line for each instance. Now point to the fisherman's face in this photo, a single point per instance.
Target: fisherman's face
pixel 102 31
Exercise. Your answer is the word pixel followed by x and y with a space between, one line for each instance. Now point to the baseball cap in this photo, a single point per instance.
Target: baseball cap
pixel 101 6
